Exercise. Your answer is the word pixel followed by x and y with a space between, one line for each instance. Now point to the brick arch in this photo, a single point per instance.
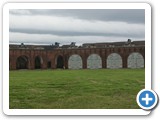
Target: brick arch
pixel 49 61
pixel 55 56
pixel 51 55
pixel 94 61
pixel 114 60
pixel 10 61
pixel 76 53
pixel 38 62
pixel 135 60
pixel 93 52
pixel 59 61
pixel 75 61
pixel 22 62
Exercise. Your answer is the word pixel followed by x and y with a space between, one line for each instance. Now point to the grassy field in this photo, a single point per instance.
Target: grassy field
pixel 60 89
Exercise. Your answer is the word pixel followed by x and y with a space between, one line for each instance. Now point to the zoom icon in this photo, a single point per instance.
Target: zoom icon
pixel 147 99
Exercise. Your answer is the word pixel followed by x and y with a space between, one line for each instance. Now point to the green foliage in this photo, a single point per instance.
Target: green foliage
pixel 71 89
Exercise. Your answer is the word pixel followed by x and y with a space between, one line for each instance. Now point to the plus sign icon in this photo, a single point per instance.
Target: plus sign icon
pixel 147 99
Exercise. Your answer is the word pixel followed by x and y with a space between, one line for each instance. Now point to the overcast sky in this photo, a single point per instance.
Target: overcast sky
pixel 76 25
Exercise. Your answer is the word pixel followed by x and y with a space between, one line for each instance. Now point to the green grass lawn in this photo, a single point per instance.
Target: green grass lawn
pixel 86 89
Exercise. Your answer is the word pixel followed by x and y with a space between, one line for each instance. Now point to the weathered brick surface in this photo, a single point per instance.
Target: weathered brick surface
pixel 84 53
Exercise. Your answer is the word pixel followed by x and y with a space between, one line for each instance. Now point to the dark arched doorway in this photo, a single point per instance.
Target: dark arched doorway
pixel 9 63
pixel 49 64
pixel 22 62
pixel 60 62
pixel 37 62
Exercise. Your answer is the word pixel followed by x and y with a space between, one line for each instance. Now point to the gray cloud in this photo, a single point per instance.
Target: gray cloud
pixel 125 15
pixel 51 39
pixel 72 33
pixel 81 26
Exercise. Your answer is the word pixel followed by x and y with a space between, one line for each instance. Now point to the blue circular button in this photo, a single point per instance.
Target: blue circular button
pixel 147 99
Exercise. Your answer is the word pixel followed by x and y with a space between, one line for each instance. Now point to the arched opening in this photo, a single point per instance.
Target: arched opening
pixel 94 61
pixel 22 62
pixel 75 62
pixel 49 64
pixel 37 62
pixel 114 61
pixel 60 62
pixel 135 60
pixel 9 63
